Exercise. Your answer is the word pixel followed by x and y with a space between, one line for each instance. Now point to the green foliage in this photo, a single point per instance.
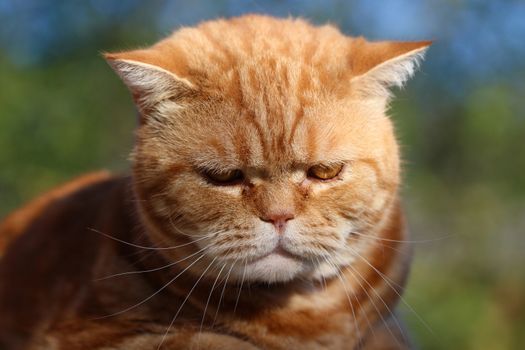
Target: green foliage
pixel 57 122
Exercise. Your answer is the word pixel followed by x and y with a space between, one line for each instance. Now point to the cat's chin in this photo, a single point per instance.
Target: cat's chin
pixel 275 267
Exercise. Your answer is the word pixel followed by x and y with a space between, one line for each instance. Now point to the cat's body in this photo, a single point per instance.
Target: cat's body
pixel 299 315
pixel 271 229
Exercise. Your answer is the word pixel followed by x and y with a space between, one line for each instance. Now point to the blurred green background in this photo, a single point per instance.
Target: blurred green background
pixel 461 122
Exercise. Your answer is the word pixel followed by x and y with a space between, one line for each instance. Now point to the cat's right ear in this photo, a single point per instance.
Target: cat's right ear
pixel 149 83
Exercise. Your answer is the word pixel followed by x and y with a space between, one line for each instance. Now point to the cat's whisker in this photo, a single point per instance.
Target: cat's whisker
pixel 211 292
pixel 370 327
pixel 361 307
pixel 209 298
pixel 338 274
pixel 184 302
pixel 395 291
pixel 142 246
pixel 240 287
pixel 357 275
pixel 222 295
pixel 152 295
pixel 203 236
pixel 402 241
pixel 134 272
pixel 385 245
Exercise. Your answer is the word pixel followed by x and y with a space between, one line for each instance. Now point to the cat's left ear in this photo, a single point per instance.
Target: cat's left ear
pixel 149 82
pixel 378 66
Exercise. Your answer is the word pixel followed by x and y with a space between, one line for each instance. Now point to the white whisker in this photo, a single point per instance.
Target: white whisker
pixel 375 306
pixel 179 231
pixel 402 241
pixel 240 288
pixel 184 302
pixel 222 295
pixel 141 246
pixel 209 298
pixel 350 303
pixel 356 298
pixel 152 295
pixel 395 291
pixel 153 269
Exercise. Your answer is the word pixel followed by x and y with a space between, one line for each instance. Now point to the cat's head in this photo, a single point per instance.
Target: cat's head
pixel 265 142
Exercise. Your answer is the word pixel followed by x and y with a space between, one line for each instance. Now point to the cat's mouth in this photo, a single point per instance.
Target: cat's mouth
pixel 278 251
pixel 277 265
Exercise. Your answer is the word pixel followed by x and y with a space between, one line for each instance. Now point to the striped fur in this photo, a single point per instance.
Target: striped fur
pixel 168 259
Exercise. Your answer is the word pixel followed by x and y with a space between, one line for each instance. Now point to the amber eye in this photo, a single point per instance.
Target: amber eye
pixel 229 177
pixel 324 172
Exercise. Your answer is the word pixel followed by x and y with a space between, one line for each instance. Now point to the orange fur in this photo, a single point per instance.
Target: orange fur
pixel 277 259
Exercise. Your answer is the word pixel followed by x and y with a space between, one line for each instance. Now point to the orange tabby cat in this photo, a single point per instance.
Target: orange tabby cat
pixel 262 212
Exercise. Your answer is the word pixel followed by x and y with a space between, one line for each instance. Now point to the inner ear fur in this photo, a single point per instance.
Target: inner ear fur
pixel 378 66
pixel 149 81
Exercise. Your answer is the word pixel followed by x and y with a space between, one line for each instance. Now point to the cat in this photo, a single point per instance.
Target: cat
pixel 262 211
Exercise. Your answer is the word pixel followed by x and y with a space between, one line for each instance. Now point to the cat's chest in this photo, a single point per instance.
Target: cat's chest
pixel 321 322
pixel 313 321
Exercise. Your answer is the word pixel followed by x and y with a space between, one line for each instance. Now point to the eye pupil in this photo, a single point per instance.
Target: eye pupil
pixel 229 177
pixel 324 172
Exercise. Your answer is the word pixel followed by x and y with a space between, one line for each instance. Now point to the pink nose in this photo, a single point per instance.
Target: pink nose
pixel 278 219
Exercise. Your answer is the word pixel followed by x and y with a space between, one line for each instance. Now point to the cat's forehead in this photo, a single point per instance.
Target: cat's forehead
pixel 280 133
pixel 277 92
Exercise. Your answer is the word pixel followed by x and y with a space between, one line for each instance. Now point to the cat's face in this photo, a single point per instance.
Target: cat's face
pixel 269 167
pixel 279 194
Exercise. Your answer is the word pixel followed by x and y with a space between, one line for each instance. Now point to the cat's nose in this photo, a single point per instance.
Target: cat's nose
pixel 278 219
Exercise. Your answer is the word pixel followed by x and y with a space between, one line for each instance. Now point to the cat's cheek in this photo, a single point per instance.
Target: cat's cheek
pixel 380 200
pixel 160 206
pixel 241 244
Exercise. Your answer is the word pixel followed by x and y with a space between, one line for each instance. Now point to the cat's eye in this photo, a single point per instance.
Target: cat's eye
pixel 229 177
pixel 324 172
